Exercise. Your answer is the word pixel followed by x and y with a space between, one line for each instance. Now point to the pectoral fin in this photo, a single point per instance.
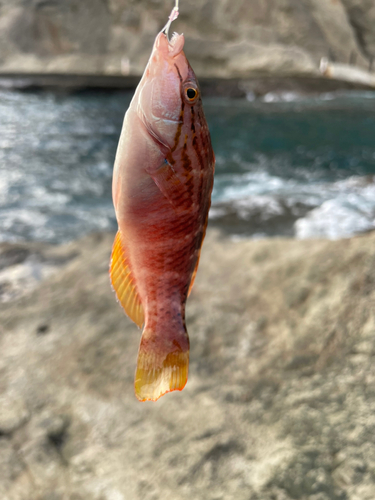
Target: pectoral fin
pixel 124 284
pixel 170 185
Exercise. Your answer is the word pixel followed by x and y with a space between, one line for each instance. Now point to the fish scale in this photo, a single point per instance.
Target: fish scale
pixel 163 178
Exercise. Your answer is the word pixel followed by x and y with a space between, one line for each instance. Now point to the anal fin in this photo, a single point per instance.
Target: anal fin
pixel 123 282
pixel 199 256
pixel 194 274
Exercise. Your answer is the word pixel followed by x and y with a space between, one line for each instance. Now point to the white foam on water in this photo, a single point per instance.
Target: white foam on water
pixel 334 209
pixel 351 211
pixel 267 206
pixel 334 221
pixel 282 97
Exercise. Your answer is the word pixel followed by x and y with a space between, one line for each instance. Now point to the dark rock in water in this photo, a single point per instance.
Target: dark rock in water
pixel 280 400
pixel 244 217
pixel 22 267
pixel 12 256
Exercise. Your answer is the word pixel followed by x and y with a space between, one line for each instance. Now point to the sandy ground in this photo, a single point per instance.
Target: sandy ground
pixel 280 401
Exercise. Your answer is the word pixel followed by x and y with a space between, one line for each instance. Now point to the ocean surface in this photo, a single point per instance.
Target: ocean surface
pixel 286 165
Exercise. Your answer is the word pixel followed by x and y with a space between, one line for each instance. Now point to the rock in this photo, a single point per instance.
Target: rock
pixel 280 401
pixel 13 413
pixel 361 15
pixel 224 39
pixel 12 471
pixel 21 269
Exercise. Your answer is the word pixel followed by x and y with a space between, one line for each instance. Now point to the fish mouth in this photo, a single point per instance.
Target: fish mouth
pixel 176 44
pixel 172 47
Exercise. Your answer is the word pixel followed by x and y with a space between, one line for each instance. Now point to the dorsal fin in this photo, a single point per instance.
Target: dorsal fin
pixel 123 282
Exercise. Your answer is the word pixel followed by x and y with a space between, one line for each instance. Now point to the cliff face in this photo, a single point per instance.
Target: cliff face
pixel 224 38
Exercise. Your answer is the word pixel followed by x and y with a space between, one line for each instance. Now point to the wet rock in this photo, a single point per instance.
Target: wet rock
pixel 21 268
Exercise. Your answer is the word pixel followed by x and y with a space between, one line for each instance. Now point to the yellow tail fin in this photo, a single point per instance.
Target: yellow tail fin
pixel 156 375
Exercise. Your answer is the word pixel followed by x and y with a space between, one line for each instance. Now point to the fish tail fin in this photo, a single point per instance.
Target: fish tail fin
pixel 163 364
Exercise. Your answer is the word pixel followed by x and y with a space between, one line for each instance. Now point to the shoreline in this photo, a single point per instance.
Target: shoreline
pixel 25 265
pixel 221 87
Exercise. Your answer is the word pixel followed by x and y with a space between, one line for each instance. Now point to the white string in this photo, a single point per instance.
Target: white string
pixel 172 17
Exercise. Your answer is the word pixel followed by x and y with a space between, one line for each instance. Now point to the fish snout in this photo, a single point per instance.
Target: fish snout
pixel 172 47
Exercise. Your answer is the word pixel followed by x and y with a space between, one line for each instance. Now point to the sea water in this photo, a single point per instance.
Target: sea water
pixel 285 164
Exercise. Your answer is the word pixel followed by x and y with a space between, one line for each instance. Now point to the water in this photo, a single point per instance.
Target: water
pixel 286 165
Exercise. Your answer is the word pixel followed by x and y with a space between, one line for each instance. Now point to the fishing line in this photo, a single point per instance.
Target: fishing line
pixel 172 17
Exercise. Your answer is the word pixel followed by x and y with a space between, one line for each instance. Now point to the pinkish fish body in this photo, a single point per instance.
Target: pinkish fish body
pixel 162 183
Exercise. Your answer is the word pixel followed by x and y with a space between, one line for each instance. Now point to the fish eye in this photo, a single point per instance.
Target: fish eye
pixel 191 94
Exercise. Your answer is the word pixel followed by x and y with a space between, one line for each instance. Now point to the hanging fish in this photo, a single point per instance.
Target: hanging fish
pixel 162 183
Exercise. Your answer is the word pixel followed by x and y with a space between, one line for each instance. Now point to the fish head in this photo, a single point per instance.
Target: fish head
pixel 168 84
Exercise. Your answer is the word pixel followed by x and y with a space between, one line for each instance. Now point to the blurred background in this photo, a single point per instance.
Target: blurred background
pixel 294 147
pixel 226 38
pixel 280 400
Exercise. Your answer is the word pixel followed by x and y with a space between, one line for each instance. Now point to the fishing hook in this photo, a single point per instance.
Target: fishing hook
pixel 172 17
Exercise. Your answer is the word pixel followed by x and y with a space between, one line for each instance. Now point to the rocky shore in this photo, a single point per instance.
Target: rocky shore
pixel 280 401
pixel 254 87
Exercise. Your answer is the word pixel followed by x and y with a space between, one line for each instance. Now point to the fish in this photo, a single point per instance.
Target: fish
pixel 162 184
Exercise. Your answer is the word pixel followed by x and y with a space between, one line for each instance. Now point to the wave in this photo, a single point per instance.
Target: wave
pixel 308 209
